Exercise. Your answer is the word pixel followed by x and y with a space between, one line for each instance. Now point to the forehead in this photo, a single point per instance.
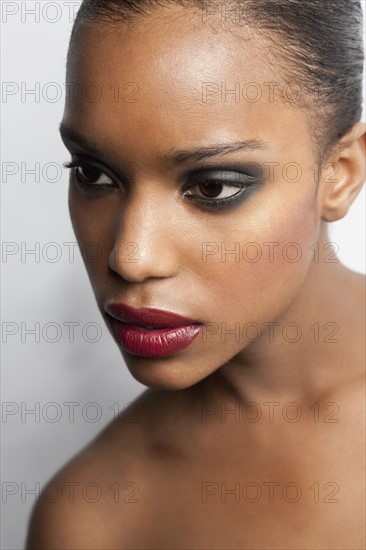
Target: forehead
pixel 173 73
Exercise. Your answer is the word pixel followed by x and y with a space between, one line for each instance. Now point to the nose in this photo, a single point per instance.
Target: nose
pixel 144 244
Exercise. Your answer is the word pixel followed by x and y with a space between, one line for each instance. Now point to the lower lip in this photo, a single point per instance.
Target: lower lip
pixel 154 343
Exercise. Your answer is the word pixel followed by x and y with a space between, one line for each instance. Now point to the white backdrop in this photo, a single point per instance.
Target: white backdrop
pixel 56 395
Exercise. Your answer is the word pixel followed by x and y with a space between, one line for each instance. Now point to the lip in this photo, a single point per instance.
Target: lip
pixel 171 332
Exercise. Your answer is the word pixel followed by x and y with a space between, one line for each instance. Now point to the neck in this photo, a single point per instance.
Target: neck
pixel 311 348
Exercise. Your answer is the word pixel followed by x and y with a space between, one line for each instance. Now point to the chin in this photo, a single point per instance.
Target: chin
pixel 161 374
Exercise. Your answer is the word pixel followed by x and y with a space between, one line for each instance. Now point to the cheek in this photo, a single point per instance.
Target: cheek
pixel 261 265
pixel 94 234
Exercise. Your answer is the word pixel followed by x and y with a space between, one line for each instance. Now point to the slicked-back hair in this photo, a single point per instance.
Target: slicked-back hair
pixel 318 45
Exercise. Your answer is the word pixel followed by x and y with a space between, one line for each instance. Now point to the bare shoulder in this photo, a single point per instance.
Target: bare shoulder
pixel 66 513
pixel 97 500
pixel 94 501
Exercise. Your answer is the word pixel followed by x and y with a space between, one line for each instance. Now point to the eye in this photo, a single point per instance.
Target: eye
pixel 89 175
pixel 214 189
pixel 92 175
pixel 218 186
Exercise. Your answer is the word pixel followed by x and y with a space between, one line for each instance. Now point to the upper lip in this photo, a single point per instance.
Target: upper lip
pixel 148 317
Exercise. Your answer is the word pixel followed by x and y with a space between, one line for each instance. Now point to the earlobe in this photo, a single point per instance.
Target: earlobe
pixel 349 158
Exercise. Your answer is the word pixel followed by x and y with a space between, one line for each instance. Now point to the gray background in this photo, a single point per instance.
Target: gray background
pixel 51 286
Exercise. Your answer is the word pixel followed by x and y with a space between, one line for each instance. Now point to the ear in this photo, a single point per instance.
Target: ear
pixel 341 185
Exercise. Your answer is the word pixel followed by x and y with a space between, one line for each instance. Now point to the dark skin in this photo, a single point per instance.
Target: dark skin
pixel 181 446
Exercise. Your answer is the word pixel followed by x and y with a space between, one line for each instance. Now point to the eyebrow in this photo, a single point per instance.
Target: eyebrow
pixel 180 157
pixel 172 155
pixel 67 134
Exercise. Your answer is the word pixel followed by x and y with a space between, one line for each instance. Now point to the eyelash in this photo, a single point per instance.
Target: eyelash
pixel 247 186
pixel 87 187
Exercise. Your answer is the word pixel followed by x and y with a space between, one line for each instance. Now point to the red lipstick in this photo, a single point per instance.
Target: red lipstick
pixel 150 332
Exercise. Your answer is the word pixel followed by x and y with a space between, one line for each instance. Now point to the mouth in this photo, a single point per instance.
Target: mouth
pixel 150 332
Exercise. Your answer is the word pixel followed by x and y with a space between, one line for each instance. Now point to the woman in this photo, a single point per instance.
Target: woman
pixel 211 146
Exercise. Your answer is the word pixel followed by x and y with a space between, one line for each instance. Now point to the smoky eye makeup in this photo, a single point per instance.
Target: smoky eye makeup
pixel 213 187
pixel 223 187
pixel 91 176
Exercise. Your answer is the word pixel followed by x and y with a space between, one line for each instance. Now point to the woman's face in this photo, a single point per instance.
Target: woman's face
pixel 156 235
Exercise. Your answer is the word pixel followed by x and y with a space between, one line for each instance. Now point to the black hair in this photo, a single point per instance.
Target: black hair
pixel 318 44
